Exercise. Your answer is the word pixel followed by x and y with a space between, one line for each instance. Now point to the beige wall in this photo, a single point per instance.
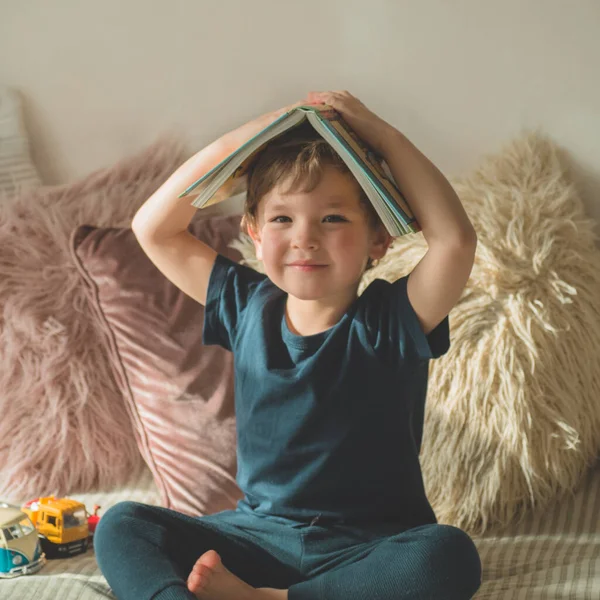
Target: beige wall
pixel 459 77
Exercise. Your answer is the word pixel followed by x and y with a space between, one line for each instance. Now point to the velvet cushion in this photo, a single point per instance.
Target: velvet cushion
pixel 512 417
pixel 179 393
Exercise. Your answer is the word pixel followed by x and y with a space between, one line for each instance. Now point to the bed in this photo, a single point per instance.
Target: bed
pixel 552 554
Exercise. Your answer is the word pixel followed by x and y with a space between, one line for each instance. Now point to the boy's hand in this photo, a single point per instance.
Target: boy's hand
pixel 372 129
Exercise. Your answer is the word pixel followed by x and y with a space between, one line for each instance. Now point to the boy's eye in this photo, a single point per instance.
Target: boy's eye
pixel 327 217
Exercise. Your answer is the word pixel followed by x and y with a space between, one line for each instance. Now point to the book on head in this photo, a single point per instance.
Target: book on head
pixel 228 178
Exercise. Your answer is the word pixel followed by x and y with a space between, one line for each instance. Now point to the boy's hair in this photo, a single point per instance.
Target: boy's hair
pixel 300 154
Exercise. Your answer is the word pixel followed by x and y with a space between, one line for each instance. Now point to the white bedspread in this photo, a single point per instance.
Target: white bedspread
pixel 552 554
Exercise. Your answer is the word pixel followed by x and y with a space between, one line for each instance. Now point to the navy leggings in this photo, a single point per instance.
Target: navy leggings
pixel 147 552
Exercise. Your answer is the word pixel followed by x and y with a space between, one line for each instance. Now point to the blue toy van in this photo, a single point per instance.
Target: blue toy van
pixel 20 549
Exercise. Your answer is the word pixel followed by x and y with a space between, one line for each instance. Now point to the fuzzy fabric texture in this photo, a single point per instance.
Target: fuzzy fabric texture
pixel 64 424
pixel 512 417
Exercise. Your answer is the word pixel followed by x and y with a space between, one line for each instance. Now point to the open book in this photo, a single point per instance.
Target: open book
pixel 228 178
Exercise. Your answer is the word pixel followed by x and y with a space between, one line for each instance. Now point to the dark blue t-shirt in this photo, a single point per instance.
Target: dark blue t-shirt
pixel 327 424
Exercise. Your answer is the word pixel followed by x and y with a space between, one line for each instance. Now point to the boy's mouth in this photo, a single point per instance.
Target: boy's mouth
pixel 306 263
pixel 306 267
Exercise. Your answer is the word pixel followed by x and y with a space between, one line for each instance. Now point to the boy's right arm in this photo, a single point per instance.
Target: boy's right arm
pixel 160 225
pixel 184 260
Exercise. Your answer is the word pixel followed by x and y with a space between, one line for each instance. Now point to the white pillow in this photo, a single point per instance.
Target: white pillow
pixel 17 171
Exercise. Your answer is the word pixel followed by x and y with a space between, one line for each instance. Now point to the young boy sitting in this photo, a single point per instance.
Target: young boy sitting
pixel 330 386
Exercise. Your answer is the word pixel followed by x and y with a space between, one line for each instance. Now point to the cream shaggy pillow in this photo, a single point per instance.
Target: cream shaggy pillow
pixel 64 424
pixel 513 413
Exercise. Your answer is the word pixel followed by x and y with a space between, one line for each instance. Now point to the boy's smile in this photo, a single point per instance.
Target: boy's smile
pixel 308 268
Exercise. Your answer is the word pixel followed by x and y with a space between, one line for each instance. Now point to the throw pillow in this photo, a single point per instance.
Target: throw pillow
pixel 512 416
pixel 179 393
pixel 17 171
pixel 64 425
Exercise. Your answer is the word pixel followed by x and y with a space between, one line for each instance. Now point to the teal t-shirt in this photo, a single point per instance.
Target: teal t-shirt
pixel 327 424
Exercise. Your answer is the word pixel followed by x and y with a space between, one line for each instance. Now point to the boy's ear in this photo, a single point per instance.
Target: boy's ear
pixel 382 240
pixel 253 234
pixel 257 242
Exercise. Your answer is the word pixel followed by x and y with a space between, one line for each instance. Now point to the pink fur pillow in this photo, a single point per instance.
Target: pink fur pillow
pixel 179 393
pixel 64 424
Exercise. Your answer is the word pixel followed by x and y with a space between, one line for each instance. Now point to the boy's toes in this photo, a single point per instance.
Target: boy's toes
pixel 193 581
pixel 210 559
pixel 202 570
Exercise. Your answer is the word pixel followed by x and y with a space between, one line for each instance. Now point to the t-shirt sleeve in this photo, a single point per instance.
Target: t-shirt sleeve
pixel 230 287
pixel 397 329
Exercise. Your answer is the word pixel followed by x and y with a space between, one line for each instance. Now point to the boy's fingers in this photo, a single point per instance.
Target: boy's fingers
pixel 289 107
pixel 279 112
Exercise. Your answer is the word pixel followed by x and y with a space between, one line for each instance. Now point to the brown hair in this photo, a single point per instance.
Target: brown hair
pixel 300 154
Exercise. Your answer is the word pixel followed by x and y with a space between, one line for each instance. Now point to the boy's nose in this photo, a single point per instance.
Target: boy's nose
pixel 306 239
pixel 307 242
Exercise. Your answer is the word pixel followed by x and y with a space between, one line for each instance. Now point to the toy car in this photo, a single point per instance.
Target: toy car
pixel 93 520
pixel 20 549
pixel 62 525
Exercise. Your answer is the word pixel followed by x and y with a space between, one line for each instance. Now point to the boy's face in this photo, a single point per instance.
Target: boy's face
pixel 306 227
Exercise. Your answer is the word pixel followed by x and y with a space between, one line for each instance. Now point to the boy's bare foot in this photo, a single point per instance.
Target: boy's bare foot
pixel 210 580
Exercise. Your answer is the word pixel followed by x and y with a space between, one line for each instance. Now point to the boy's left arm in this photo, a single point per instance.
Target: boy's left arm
pixel 435 285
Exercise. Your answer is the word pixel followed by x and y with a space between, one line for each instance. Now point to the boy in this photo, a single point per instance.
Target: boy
pixel 330 387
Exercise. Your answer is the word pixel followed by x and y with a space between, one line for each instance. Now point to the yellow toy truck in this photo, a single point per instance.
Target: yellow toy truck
pixel 62 525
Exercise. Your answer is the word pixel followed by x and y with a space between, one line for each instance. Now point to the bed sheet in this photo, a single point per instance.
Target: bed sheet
pixel 553 553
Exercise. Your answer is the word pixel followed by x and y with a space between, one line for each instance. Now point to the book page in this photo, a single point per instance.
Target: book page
pixel 372 160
